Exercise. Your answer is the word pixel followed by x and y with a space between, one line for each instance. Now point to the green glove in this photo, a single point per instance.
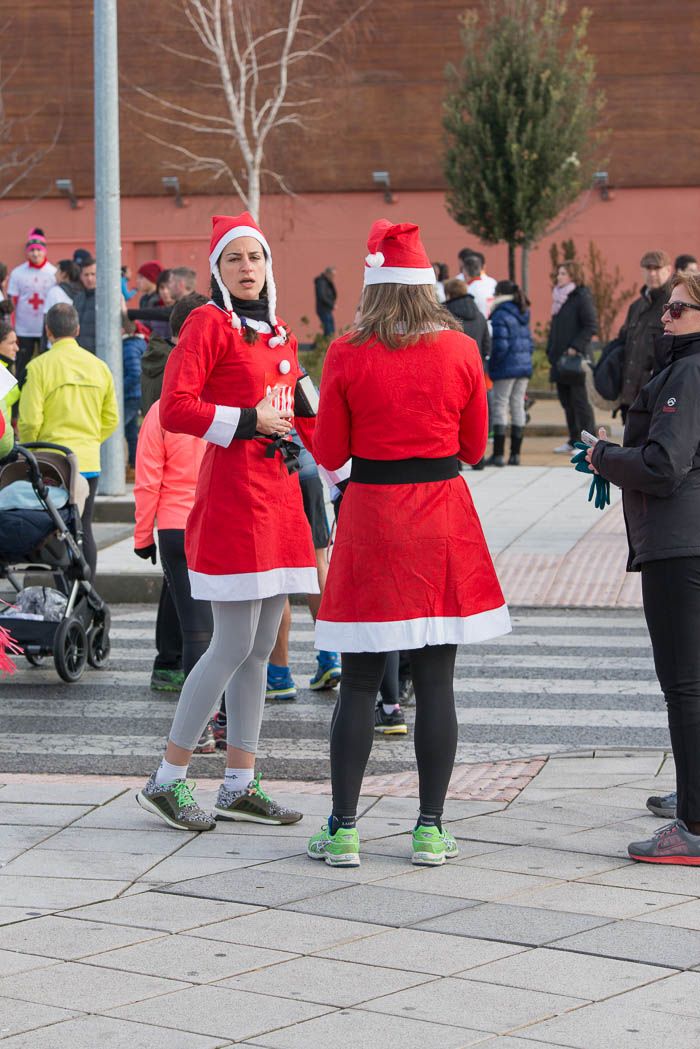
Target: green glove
pixel 599 492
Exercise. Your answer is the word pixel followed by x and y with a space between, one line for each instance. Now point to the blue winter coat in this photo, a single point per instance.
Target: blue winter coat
pixel 511 343
pixel 133 349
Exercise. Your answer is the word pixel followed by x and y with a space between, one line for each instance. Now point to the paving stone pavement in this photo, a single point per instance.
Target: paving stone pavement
pixel 115 931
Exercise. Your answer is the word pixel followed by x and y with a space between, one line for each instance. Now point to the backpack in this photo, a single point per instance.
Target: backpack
pixel 608 372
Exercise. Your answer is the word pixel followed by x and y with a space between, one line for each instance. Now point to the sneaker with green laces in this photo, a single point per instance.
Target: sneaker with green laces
pixel 252 805
pixel 432 846
pixel 341 849
pixel 175 804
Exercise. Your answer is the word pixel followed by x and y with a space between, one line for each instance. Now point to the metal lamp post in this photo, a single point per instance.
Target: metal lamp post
pixel 107 229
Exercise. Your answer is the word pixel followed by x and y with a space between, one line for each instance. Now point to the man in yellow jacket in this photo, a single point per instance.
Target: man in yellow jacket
pixel 68 398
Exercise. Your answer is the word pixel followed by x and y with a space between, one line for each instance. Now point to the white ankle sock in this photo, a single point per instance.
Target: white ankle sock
pixel 238 779
pixel 167 773
pixel 389 708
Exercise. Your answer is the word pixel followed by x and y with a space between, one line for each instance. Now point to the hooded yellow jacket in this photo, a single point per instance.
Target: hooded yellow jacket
pixel 68 398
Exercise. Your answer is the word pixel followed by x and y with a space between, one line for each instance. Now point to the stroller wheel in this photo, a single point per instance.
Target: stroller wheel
pixel 70 649
pixel 34 658
pixel 98 646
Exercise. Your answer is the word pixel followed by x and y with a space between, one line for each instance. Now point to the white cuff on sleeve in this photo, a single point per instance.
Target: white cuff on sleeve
pixel 223 426
pixel 332 477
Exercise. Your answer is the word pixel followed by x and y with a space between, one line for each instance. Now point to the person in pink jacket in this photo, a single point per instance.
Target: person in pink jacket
pixel 167 468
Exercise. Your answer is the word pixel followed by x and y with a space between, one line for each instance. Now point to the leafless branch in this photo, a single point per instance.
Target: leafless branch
pixel 254 58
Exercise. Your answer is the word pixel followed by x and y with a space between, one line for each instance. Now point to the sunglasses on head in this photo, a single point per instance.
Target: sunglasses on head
pixel 676 309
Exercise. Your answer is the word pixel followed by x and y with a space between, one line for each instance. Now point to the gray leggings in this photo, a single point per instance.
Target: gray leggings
pixel 508 393
pixel 236 660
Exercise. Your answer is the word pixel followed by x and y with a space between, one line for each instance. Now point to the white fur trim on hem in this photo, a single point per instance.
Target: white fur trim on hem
pixel 399 275
pixel 412 633
pixel 224 425
pixel 247 586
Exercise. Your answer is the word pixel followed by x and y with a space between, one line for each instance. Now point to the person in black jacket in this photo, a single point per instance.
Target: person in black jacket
pixel 326 295
pixel 84 303
pixel 643 325
pixel 463 306
pixel 658 470
pixel 574 323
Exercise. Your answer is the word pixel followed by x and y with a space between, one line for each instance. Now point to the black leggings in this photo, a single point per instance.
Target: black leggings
pixel 195 616
pixel 89 545
pixel 352 728
pixel 671 595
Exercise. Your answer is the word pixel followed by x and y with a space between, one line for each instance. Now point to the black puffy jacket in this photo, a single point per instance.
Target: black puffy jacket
pixel 658 466
pixel 473 322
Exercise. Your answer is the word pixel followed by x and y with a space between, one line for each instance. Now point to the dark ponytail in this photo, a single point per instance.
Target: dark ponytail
pixel 509 287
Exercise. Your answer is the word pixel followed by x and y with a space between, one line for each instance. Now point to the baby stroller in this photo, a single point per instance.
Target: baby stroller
pixel 42 532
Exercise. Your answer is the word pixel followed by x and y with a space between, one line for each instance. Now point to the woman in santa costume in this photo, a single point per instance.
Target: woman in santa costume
pixel 233 379
pixel 403 396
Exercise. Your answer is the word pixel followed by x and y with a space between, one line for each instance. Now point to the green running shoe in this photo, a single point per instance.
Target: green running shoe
pixel 167 680
pixel 175 804
pixel 431 847
pixel 341 849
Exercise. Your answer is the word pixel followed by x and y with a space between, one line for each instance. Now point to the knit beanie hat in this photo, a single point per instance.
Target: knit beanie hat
pixel 226 228
pixel 36 239
pixel 151 270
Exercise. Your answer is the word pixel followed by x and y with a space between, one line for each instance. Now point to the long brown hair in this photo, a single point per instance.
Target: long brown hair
pixel 399 315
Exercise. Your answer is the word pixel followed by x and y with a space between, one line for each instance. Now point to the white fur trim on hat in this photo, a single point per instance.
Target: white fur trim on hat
pixel 375 260
pixel 398 275
pixel 234 234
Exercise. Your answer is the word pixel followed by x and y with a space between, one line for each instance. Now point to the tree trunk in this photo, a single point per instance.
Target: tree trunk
pixel 253 187
pixel 511 262
pixel 525 268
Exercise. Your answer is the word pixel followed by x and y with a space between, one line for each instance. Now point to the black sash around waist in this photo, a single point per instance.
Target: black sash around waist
pixel 403 471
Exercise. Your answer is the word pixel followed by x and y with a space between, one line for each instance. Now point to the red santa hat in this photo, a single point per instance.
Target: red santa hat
pixel 396 255
pixel 226 228
pixel 151 270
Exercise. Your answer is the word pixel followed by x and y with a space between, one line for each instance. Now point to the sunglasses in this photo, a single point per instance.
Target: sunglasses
pixel 676 309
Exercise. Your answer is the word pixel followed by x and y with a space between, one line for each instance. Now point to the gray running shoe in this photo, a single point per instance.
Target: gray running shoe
pixel 663 805
pixel 252 805
pixel 671 844
pixel 175 804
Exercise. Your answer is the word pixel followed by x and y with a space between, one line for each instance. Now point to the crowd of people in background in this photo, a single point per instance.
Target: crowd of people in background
pixel 66 396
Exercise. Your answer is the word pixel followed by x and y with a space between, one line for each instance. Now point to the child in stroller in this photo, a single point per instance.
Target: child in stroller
pixel 41 496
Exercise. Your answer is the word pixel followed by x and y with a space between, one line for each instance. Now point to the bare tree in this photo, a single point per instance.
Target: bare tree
pixel 268 60
pixel 19 155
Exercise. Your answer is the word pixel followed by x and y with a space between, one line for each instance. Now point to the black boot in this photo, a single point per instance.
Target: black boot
pixel 516 440
pixel 497 457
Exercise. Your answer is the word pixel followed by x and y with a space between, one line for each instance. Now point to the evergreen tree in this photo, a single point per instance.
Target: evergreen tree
pixel 521 121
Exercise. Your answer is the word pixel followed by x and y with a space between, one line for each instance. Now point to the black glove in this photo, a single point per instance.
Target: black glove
pixel 147 551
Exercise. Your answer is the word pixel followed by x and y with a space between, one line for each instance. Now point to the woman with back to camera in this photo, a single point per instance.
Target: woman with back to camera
pixel 658 470
pixel 510 368
pixel 573 325
pixel 232 379
pixel 403 394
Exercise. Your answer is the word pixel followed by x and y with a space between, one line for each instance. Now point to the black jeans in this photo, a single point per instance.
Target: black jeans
pixel 352 728
pixel 195 616
pixel 577 408
pixel 671 595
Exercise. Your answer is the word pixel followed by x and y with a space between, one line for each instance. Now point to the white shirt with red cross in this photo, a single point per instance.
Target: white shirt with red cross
pixel 28 287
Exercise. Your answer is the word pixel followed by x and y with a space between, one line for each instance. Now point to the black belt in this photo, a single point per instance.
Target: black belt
pixel 403 471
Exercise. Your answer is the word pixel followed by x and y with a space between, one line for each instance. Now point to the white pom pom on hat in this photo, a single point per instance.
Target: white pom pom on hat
pixel 396 255
pixel 226 228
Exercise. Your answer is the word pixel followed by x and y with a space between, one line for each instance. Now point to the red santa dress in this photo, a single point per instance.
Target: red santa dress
pixel 410 564
pixel 247 536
